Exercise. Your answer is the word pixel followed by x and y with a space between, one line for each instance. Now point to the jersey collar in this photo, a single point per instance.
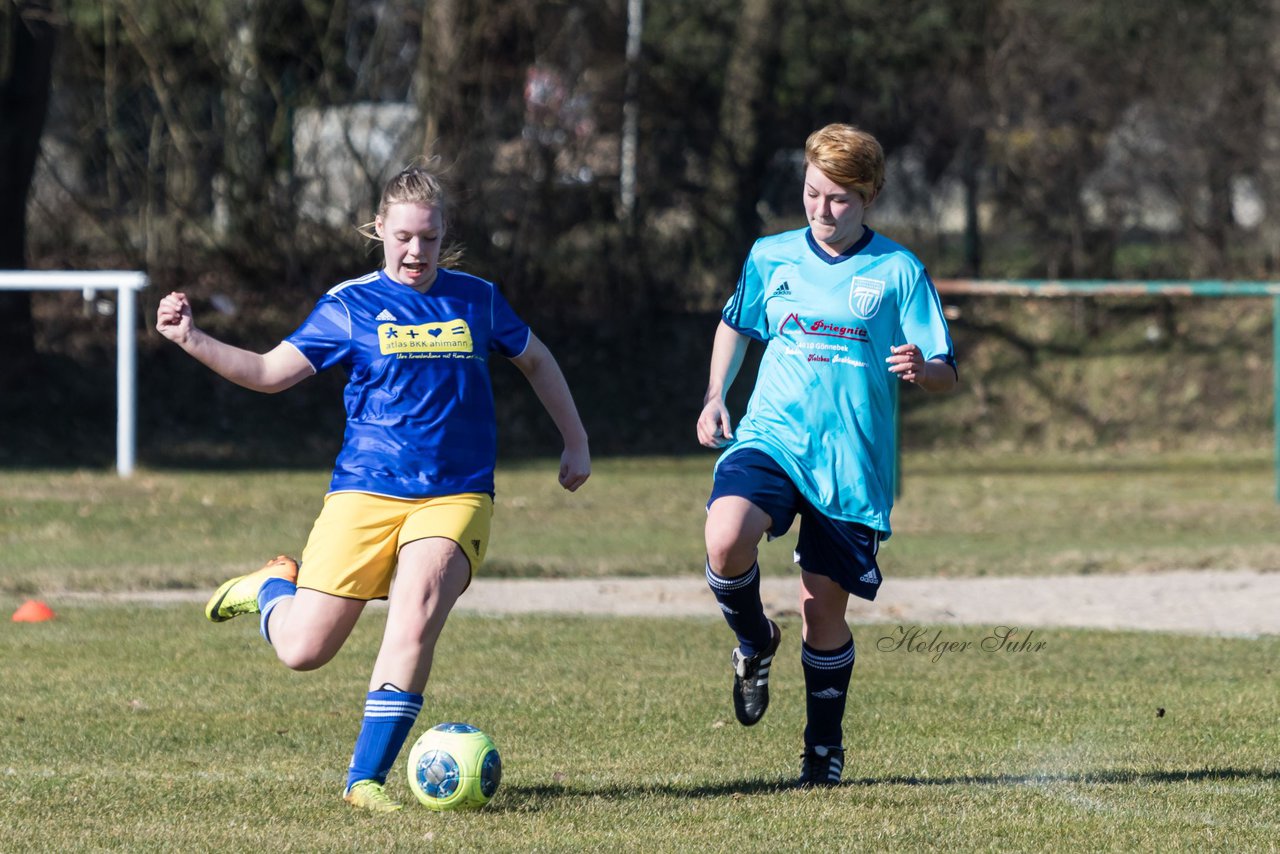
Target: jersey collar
pixel 858 246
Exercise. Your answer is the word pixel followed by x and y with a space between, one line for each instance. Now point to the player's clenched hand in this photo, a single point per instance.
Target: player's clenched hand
pixel 713 425
pixel 907 362
pixel 173 318
pixel 575 468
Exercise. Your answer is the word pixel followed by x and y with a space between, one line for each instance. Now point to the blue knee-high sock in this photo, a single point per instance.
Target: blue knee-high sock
pixel 826 684
pixel 388 718
pixel 739 599
pixel 272 591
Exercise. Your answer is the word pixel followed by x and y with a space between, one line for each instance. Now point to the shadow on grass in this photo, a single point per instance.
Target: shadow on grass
pixel 518 798
pixel 1083 777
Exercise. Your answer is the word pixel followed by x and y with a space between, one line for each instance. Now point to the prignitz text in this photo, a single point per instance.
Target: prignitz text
pixel 935 644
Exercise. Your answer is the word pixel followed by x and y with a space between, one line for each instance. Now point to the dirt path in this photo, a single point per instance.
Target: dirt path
pixel 1204 602
pixel 1241 603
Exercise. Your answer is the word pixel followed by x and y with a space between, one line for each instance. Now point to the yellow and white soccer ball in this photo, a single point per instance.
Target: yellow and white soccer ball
pixel 454 766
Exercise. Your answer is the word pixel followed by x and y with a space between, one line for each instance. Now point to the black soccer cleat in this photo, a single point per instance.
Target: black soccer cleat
pixel 751 679
pixel 821 766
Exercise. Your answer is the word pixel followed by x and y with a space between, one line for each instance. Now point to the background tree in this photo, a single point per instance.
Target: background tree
pixel 229 147
pixel 26 64
pixel 1269 138
pixel 746 137
pixel 1057 78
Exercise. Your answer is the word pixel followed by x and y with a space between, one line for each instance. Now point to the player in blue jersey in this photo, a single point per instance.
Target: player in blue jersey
pixel 845 314
pixel 407 514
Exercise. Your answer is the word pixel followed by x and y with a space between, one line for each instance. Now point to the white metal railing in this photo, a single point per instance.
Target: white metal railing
pixel 126 284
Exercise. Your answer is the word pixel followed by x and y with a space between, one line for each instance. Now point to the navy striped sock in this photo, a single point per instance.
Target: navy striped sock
pixel 739 599
pixel 388 718
pixel 826 685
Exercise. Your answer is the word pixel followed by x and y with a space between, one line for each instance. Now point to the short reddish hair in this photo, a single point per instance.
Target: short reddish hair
pixel 849 156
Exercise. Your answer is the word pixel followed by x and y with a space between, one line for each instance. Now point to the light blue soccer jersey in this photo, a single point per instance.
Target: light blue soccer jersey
pixel 822 407
pixel 420 415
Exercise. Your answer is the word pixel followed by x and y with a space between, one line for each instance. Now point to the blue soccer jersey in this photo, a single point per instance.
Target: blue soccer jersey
pixel 822 407
pixel 420 416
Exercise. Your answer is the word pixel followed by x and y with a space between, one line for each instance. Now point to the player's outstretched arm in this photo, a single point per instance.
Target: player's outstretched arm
pixel 727 352
pixel 274 371
pixel 544 375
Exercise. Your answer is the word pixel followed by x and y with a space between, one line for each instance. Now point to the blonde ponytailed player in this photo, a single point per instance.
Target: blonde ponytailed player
pixel 408 509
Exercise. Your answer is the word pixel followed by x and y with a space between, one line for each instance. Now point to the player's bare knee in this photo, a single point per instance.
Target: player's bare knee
pixel 822 617
pixel 304 655
pixel 728 555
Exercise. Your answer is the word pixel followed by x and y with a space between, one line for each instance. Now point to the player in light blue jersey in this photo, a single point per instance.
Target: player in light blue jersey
pixel 846 314
pixel 408 510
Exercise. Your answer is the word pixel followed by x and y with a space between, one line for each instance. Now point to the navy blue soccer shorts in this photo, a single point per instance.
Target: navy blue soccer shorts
pixel 843 551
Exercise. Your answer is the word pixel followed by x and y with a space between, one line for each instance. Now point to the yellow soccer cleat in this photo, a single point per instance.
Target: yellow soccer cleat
pixel 240 594
pixel 371 795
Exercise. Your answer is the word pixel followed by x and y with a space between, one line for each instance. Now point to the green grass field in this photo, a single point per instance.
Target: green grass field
pixel 133 727
pixel 988 515
pixel 145 728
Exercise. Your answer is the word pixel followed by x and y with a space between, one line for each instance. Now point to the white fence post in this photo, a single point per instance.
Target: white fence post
pixel 126 284
pixel 126 381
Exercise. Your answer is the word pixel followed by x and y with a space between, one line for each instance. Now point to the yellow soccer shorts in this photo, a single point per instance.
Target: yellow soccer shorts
pixel 356 538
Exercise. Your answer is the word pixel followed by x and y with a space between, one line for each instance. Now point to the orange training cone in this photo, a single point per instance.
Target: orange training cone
pixel 32 611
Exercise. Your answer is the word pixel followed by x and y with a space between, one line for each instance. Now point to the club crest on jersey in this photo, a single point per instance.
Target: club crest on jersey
pixel 864 297
pixel 424 340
